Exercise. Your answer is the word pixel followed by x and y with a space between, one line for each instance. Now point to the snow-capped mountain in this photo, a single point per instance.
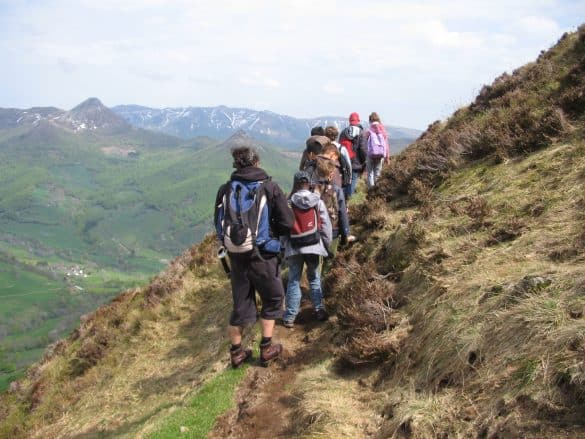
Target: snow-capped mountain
pixel 221 122
pixel 90 115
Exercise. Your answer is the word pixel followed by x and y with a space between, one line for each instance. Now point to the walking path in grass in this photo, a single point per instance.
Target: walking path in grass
pixel 265 400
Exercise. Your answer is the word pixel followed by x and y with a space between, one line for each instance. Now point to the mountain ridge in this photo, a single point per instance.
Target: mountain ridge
pixel 221 121
pixel 89 115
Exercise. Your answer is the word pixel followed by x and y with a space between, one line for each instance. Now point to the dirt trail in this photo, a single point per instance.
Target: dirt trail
pixel 265 402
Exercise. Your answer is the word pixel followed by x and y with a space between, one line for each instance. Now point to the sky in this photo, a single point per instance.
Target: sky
pixel 413 62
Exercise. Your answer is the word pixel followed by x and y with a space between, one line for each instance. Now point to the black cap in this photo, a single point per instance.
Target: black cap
pixel 302 176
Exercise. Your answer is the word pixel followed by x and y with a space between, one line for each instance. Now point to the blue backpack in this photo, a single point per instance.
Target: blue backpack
pixel 243 221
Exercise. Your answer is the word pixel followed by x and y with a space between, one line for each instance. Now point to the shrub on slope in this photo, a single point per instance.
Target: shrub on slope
pixel 466 286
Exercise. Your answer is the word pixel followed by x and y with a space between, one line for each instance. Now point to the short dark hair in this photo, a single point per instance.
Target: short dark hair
pixel 315 147
pixel 317 131
pixel 332 132
pixel 244 157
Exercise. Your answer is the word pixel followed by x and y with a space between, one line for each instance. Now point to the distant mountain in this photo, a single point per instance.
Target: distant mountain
pixel 220 122
pixel 89 116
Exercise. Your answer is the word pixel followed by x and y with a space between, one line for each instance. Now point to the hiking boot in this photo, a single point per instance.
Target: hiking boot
pixel 321 315
pixel 288 324
pixel 240 356
pixel 269 352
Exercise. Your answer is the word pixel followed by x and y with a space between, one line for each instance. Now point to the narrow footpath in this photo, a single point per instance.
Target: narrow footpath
pixel 265 400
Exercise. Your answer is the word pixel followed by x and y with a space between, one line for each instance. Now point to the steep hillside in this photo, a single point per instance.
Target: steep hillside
pixel 458 313
pixel 220 122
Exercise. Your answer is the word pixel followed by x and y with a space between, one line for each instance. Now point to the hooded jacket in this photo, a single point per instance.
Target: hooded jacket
pixel 306 199
pixel 376 127
pixel 281 216
pixel 352 138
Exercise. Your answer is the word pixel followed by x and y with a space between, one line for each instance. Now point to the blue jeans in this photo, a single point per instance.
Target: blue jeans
pixel 355 176
pixel 293 290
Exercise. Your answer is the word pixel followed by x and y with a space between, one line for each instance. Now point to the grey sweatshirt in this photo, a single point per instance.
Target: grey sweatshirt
pixel 306 199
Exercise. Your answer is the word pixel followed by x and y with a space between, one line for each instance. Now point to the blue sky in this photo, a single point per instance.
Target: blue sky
pixel 411 61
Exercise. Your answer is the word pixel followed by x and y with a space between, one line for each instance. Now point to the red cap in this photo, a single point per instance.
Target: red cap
pixel 354 118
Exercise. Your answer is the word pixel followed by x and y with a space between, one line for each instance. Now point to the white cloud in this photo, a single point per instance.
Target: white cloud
pixel 538 25
pixel 411 55
pixel 333 89
pixel 437 34
pixel 258 80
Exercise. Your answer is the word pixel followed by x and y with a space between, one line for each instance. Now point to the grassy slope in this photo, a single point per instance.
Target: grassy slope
pixel 460 310
pixel 100 380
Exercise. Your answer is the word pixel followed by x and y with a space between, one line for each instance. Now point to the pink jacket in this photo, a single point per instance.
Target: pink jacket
pixel 377 128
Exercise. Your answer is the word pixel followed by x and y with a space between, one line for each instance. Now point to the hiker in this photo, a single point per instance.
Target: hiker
pixel 375 143
pixel 317 131
pixel 314 147
pixel 306 243
pixel 334 200
pixel 250 212
pixel 332 133
pixel 330 153
pixel 351 138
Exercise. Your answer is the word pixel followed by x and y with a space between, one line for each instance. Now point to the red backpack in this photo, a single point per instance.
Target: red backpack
pixel 307 227
pixel 350 138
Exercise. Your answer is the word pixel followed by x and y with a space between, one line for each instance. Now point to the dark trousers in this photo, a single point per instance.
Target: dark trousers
pixel 248 275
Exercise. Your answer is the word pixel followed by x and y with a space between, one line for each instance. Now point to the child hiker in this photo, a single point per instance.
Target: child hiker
pixel 307 242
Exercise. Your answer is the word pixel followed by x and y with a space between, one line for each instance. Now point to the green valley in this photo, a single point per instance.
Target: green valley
pixel 86 213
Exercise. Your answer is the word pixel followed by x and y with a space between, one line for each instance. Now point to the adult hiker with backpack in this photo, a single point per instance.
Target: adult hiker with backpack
pixel 332 134
pixel 351 138
pixel 375 142
pixel 251 212
pixel 334 199
pixel 305 244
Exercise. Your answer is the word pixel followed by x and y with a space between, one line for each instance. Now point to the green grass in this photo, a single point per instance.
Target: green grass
pixel 199 415
pixel 63 202
pixel 6 379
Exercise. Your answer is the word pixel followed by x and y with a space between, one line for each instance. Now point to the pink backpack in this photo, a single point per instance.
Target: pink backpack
pixel 376 145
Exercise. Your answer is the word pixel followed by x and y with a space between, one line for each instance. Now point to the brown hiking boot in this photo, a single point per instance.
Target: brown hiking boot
pixel 269 352
pixel 240 356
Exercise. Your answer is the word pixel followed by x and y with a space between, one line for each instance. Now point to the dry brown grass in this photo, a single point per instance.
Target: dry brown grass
pixel 329 405
pixel 495 340
pixel 132 360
